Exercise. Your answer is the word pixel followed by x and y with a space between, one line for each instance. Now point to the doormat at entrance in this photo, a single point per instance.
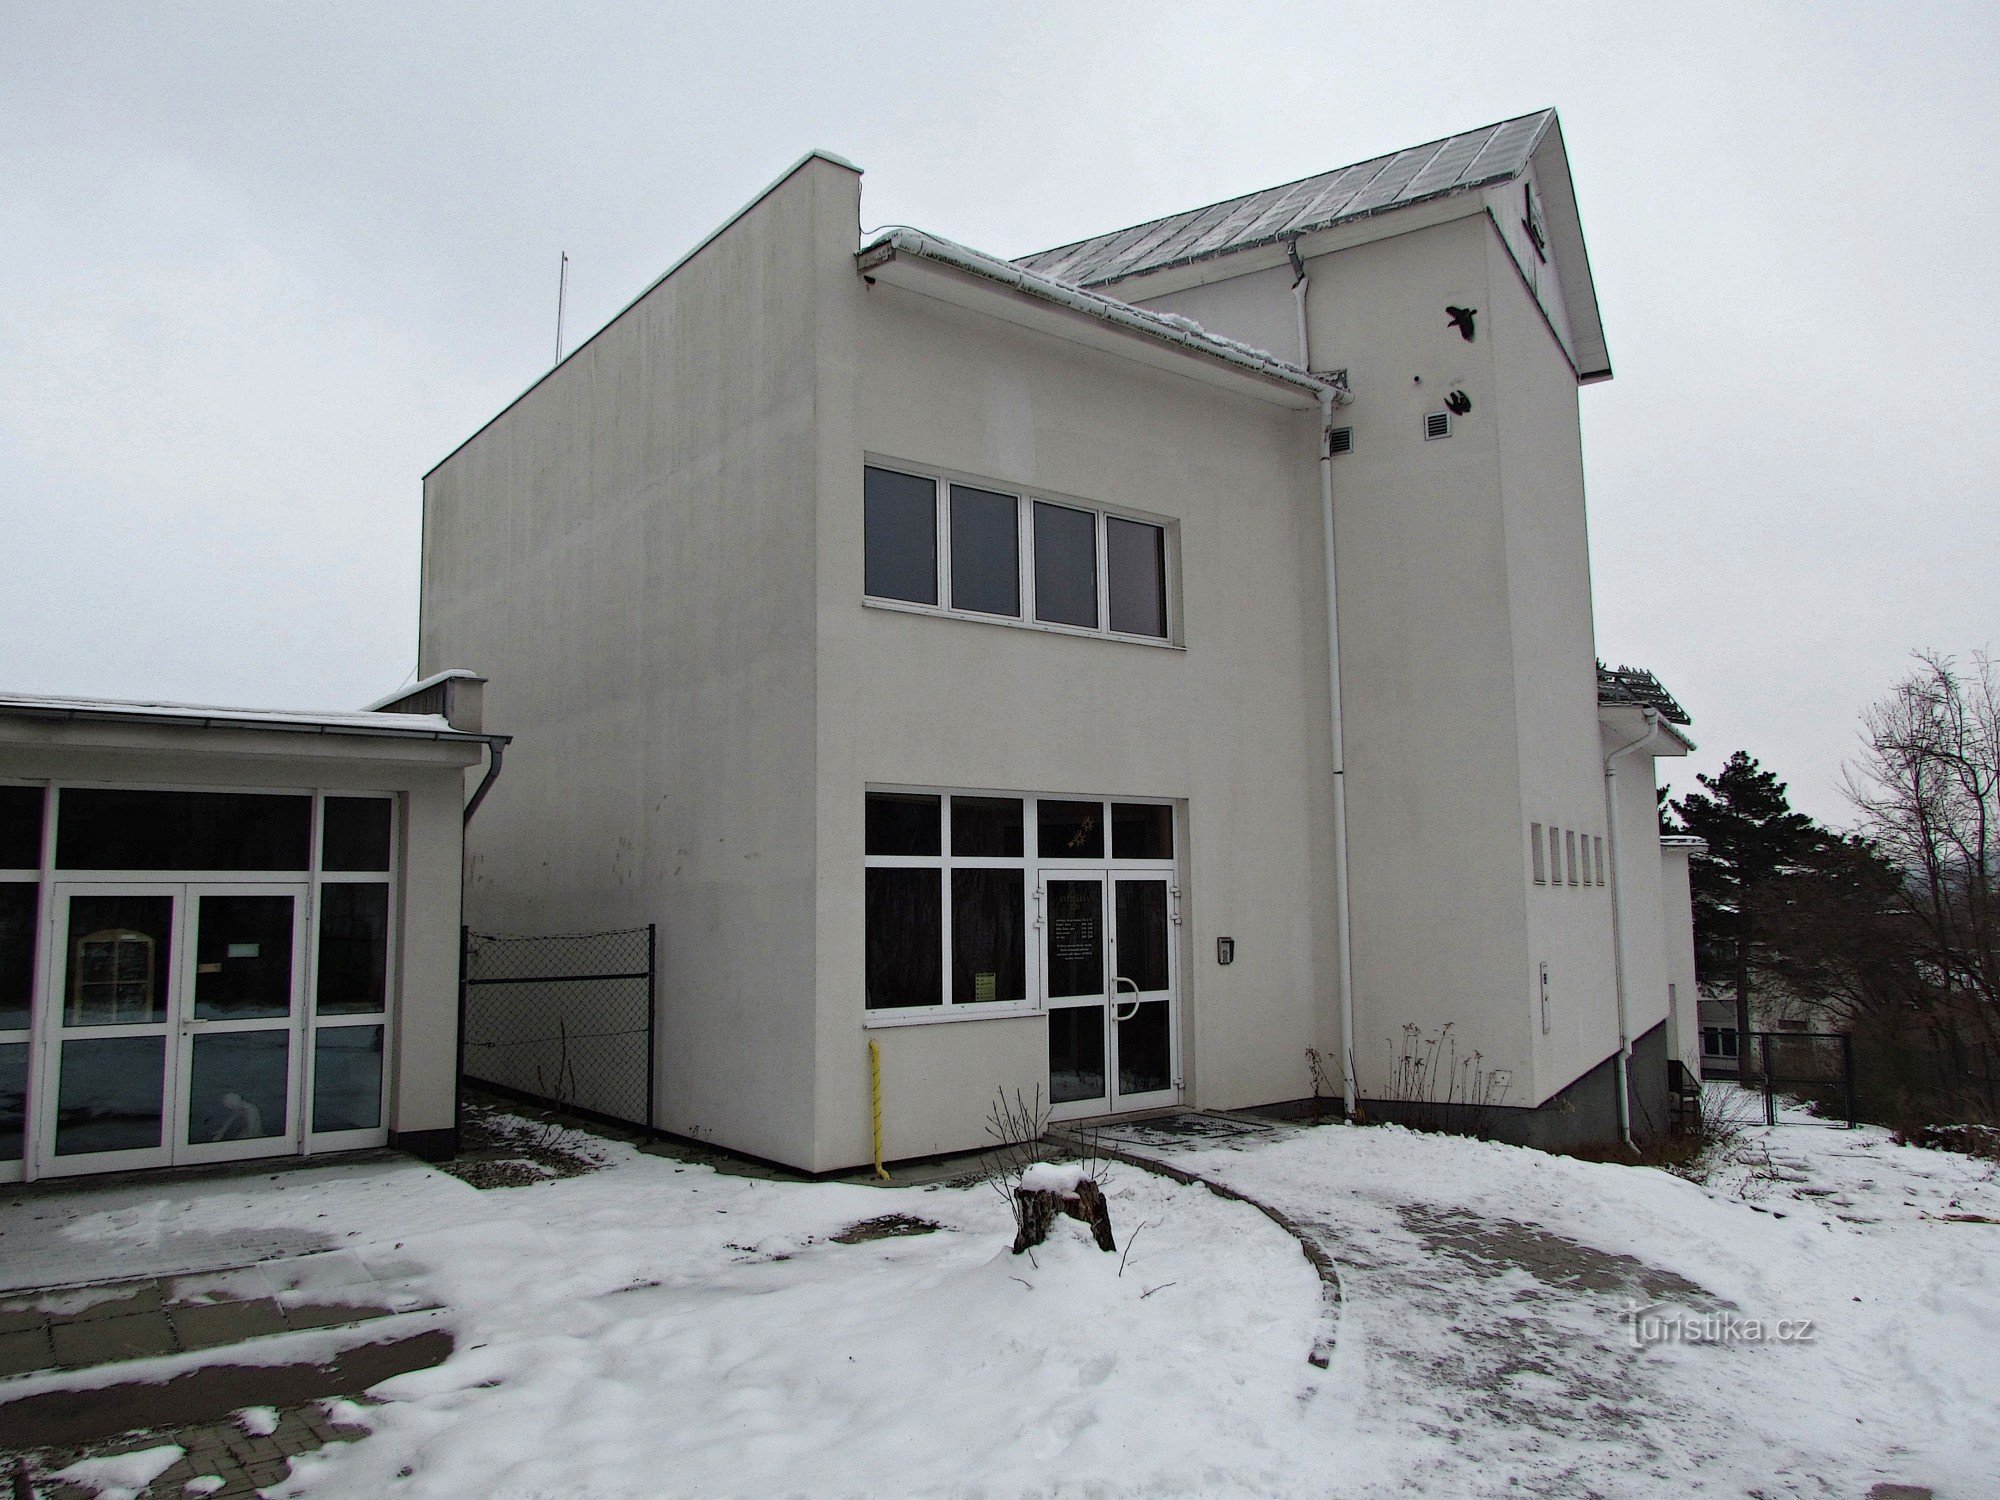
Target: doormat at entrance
pixel 1190 1128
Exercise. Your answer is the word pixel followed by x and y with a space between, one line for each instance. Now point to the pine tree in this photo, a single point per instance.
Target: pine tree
pixel 1753 839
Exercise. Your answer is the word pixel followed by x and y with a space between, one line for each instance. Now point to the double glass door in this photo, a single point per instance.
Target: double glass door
pixel 173 1032
pixel 1109 965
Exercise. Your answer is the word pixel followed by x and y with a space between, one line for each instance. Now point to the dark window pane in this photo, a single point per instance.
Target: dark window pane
pixel 1071 830
pixel 1076 937
pixel 903 823
pixel 237 1086
pixel 989 946
pixel 356 834
pixel 18 926
pixel 1135 565
pixel 119 956
pixel 242 957
pixel 21 827
pixel 901 541
pixel 1142 935
pixel 905 916
pixel 985 551
pixel 353 949
pixel 1145 1050
pixel 1076 1054
pixel 1065 565
pixel 13 1099
pixel 109 1094
pixel 347 1078
pixel 988 826
pixel 1141 830
pixel 129 830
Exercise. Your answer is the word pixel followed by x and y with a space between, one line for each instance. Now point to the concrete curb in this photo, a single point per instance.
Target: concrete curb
pixel 1332 1299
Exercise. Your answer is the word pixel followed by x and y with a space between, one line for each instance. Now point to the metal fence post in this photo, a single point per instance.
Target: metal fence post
pixel 652 1025
pixel 458 1077
pixel 1847 1078
pixel 1770 1091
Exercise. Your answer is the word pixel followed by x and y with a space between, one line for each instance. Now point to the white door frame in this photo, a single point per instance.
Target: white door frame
pixel 1107 874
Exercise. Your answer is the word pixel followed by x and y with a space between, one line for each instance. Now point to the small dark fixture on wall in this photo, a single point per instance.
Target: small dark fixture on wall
pixel 1461 319
pixel 1225 950
pixel 1458 403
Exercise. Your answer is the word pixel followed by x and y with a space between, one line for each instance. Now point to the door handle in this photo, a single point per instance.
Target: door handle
pixel 1117 1006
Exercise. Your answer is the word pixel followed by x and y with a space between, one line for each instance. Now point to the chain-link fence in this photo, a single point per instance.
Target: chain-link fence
pixel 566 1020
pixel 1814 1065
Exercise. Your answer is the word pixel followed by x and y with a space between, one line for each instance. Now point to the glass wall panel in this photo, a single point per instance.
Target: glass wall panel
pixel 13 1099
pixel 237 1085
pixel 986 827
pixel 903 823
pixel 1070 830
pixel 985 551
pixel 109 1094
pixel 1135 567
pixel 120 956
pixel 1065 565
pixel 905 941
pixel 900 522
pixel 355 834
pixel 111 829
pixel 989 946
pixel 1076 1054
pixel 1145 1051
pixel 353 949
pixel 1141 830
pixel 242 957
pixel 21 827
pixel 18 927
pixel 1142 933
pixel 347 1078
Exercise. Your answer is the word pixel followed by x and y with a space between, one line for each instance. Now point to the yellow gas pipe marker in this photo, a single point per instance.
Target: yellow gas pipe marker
pixel 875 1099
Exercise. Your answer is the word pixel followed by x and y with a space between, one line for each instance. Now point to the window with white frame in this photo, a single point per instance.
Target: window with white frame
pixel 21 821
pixel 988 552
pixel 946 896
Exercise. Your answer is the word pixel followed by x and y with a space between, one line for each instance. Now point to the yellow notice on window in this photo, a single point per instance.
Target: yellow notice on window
pixel 985 986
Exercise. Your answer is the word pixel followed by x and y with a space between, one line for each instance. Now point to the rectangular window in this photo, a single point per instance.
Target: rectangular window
pixel 1555 855
pixel 989 942
pixel 900 526
pixel 106 829
pixel 21 827
pixel 1598 844
pixel 1535 843
pixel 1142 830
pixel 985 551
pixel 1569 848
pixel 1070 830
pixel 354 834
pixel 905 941
pixel 1065 565
pixel 1135 563
pixel 903 823
pixel 353 948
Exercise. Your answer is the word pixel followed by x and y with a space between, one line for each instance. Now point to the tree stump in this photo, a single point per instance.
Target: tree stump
pixel 1036 1209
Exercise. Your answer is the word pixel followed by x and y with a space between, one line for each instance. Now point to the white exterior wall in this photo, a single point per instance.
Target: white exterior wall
pixel 1677 930
pixel 428 779
pixel 1234 726
pixel 631 549
pixel 1633 802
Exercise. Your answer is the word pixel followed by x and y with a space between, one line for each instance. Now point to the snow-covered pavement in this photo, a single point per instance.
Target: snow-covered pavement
pixel 656 1329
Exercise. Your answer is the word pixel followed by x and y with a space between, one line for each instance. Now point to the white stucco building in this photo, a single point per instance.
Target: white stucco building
pixel 942 652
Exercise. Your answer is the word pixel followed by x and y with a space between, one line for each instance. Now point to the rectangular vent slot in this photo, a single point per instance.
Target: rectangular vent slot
pixel 1437 425
pixel 1339 441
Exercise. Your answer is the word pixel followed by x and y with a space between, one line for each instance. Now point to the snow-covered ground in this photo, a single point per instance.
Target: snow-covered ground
pixel 655 1329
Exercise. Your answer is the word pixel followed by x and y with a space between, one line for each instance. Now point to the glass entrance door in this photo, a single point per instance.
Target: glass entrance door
pixel 174 1036
pixel 1109 972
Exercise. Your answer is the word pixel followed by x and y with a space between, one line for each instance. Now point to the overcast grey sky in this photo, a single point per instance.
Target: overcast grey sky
pixel 266 263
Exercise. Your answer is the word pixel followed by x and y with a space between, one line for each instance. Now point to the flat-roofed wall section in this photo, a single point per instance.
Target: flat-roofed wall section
pixel 1229 720
pixel 628 551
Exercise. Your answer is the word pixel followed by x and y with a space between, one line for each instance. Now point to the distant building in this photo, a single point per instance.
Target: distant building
pixel 937 649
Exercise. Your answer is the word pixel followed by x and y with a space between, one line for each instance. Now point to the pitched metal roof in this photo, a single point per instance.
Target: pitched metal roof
pixel 1492 153
pixel 202 716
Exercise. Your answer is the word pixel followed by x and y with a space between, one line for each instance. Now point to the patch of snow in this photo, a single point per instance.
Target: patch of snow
pixel 1049 1177
pixel 204 1484
pixel 122 1476
pixel 258 1421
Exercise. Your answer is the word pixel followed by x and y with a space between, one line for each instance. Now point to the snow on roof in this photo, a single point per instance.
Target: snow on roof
pixel 1172 328
pixel 449 674
pixel 207 716
pixel 1471 159
pixel 1638 686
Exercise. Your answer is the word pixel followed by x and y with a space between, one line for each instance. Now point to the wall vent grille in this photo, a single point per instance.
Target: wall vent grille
pixel 1437 425
pixel 1339 441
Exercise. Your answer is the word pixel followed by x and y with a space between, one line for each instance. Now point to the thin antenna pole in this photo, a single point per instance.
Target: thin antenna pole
pixel 562 293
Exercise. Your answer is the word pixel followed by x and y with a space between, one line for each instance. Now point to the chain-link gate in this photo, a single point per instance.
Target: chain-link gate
pixel 1819 1065
pixel 566 1020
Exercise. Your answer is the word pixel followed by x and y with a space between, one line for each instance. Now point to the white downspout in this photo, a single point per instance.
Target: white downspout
pixel 1331 395
pixel 1618 927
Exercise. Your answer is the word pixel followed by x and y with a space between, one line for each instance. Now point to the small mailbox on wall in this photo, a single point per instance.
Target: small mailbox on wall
pixel 1225 950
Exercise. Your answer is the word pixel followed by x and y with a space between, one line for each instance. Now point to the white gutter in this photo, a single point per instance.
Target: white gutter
pixel 1332 395
pixel 1618 925
pixel 1166 327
